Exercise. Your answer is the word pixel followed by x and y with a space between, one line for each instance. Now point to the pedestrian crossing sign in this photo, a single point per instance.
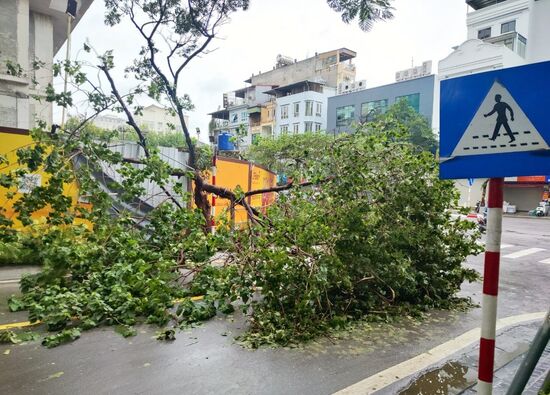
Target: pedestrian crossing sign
pixel 496 124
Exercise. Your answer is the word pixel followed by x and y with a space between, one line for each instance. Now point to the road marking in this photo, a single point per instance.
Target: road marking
pixel 16 325
pixel 506 246
pixel 24 324
pixel 414 365
pixel 546 261
pixel 522 253
pixel 15 281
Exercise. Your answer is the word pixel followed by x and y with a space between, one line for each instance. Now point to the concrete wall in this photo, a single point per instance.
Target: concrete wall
pixel 538 48
pixel 325 66
pixel 425 86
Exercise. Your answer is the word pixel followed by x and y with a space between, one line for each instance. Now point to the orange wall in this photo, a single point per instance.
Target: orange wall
pixel 233 173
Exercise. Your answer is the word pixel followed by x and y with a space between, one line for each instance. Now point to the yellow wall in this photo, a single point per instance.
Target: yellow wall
pixel 10 141
pixel 232 173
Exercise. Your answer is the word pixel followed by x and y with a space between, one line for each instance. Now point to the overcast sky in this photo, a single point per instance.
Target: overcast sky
pixel 421 30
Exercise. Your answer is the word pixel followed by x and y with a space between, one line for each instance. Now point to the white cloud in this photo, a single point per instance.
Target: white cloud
pixel 421 29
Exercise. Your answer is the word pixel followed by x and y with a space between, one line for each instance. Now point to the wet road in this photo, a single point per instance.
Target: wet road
pixel 206 360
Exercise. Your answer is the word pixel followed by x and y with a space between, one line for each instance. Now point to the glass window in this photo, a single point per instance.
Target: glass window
pixel 244 116
pixel 235 118
pixel 308 126
pixel 509 42
pixel 413 100
pixel 284 128
pixel 484 33
pixel 296 127
pixel 508 27
pixel 522 44
pixel 372 108
pixel 284 111
pixel 345 115
pixel 296 110
pixel 317 127
pixel 309 108
pixel 318 109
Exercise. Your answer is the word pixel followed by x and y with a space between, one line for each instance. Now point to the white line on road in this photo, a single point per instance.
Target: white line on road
pixel 546 261
pixel 420 362
pixel 506 246
pixel 15 281
pixel 522 253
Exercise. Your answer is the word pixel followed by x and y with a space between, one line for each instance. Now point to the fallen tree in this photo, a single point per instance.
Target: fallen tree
pixel 366 234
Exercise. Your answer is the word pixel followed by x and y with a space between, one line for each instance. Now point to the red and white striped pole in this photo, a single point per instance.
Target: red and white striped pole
pixel 213 208
pixel 490 287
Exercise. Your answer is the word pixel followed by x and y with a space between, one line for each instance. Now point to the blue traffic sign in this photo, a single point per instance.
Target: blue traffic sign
pixel 496 124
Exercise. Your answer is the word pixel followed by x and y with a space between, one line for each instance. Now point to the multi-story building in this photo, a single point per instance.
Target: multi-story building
pixel 152 118
pixel 502 34
pixel 31 31
pixel 259 109
pixel 301 107
pixel 331 67
pixel 362 105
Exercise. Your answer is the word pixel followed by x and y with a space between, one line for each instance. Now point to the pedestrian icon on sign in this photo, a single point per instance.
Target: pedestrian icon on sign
pixel 502 120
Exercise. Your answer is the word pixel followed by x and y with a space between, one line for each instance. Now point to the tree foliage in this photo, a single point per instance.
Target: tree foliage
pixel 367 12
pixel 375 238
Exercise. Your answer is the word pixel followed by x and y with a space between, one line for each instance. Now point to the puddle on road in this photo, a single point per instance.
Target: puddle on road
pixel 451 378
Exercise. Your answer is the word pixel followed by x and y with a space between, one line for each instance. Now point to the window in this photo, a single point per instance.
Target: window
pixel 317 127
pixel 296 110
pixel 372 108
pixel 244 116
pixel 309 126
pixel 309 108
pixel 284 128
pixel 522 44
pixel 484 33
pixel 318 109
pixel 508 27
pixel 284 112
pixel 296 128
pixel 413 100
pixel 345 115
pixel 235 118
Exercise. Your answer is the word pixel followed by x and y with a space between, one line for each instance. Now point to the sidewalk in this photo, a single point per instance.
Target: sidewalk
pixel 457 374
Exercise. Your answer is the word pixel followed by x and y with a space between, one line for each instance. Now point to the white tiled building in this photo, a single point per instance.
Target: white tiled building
pixel 501 34
pixel 301 107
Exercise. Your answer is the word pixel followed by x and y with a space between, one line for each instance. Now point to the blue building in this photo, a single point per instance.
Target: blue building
pixel 360 106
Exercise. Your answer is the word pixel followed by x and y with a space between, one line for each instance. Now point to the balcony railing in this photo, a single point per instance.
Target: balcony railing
pixel 513 40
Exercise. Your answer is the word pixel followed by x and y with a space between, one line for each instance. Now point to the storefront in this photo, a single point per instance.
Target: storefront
pixel 525 192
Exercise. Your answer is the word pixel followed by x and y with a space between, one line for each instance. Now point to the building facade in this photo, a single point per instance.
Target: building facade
pixel 263 108
pixel 31 32
pixel 152 118
pixel 301 107
pixel 358 107
pixel 502 34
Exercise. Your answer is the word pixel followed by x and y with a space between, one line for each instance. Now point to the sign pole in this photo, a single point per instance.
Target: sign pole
pixel 490 287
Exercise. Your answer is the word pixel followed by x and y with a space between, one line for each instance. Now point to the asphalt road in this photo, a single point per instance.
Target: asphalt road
pixel 206 360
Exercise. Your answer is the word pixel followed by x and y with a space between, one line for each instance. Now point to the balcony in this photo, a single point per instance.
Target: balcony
pixel 513 40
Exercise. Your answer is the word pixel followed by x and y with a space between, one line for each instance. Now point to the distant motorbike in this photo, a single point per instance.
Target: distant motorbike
pixel 482 221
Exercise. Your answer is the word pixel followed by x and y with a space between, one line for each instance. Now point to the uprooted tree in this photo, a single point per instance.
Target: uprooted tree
pixel 367 233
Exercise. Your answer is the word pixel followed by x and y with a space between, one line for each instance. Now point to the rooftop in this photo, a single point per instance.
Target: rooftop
pixel 479 4
pixel 344 54
pixel 292 88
